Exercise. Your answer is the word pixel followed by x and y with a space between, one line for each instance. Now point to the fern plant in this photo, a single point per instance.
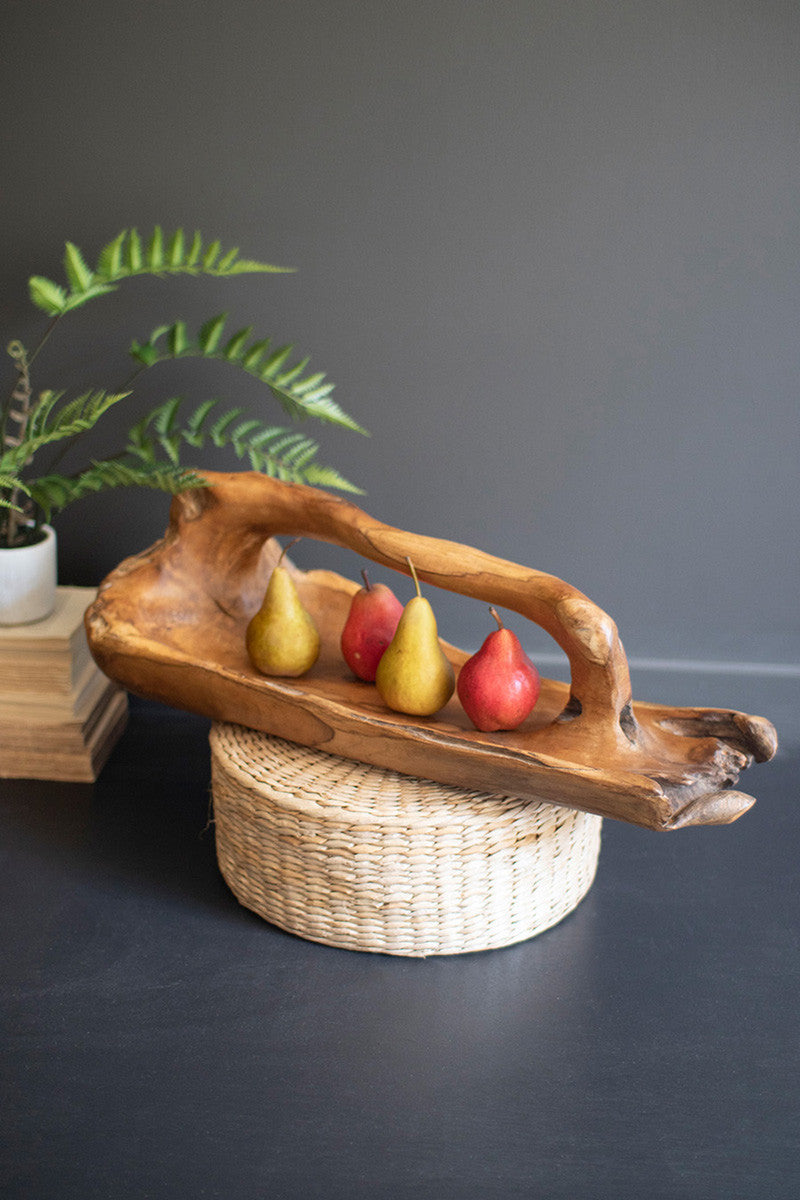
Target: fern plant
pixel 152 456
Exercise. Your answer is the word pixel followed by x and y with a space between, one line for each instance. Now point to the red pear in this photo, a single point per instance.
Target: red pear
pixel 499 685
pixel 370 627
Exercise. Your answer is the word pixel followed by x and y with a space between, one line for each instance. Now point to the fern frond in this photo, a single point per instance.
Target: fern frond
pixel 328 477
pixel 41 410
pixel 126 255
pixel 298 394
pixel 274 450
pixel 10 485
pixel 54 492
pixel 50 424
pixel 152 455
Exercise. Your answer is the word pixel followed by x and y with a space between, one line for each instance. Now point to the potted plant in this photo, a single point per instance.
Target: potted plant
pixel 38 428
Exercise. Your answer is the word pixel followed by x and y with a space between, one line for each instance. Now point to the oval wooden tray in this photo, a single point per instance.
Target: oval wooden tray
pixel 169 625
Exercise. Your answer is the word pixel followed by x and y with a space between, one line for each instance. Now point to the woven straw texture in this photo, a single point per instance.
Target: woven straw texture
pixel 358 857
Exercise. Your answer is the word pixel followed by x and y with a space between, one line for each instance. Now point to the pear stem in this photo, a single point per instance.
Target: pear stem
pixel 494 613
pixel 413 575
pixel 365 577
pixel 286 548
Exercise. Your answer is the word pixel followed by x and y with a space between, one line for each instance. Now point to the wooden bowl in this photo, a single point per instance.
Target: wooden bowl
pixel 169 624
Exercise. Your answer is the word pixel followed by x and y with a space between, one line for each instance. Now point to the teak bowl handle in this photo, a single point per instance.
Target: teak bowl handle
pixel 245 508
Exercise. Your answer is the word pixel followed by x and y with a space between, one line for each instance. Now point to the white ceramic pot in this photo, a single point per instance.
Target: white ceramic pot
pixel 28 578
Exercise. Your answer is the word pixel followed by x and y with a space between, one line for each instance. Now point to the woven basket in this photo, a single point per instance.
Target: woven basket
pixel 367 859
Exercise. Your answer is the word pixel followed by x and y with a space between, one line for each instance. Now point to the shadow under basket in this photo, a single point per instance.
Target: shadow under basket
pixel 364 858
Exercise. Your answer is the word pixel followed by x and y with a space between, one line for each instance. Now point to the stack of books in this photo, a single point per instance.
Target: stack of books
pixel 60 716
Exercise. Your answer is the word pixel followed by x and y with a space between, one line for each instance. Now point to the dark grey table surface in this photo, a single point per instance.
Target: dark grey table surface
pixel 160 1041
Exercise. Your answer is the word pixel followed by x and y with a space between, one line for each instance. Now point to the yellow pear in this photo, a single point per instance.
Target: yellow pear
pixel 413 674
pixel 282 639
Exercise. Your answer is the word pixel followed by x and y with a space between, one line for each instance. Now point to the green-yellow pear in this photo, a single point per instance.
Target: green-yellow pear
pixel 282 639
pixel 413 674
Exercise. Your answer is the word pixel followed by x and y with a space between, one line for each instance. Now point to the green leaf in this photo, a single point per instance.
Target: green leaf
pixel 272 436
pixel 195 423
pixel 234 347
pixel 145 354
pixel 325 410
pixel 78 273
pixel 244 266
pixel 308 384
pixel 37 420
pixel 275 362
pixel 66 415
pixel 220 428
pixel 211 254
pixel 293 373
pixel 211 333
pixel 227 259
pixel 154 256
pixel 124 257
pixel 100 402
pixel 254 355
pixel 47 295
pixel 194 250
pixel 172 447
pixel 177 340
pixel 4 503
pixel 175 253
pixel 299 395
pixel 318 393
pixel 163 418
pixel 302 453
pixel 54 492
pixel 240 435
pixel 11 484
pixel 321 476
pixel 73 418
pixel 110 263
pixel 276 450
pixel 139 443
pixel 134 252
pixel 282 447
pixel 77 299
pixel 148 352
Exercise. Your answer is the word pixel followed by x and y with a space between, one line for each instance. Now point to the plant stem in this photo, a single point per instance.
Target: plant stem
pixel 128 384
pixel 30 358
pixel 21 394
pixel 45 336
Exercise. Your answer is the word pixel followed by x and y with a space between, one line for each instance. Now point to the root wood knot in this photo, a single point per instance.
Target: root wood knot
pixel 590 626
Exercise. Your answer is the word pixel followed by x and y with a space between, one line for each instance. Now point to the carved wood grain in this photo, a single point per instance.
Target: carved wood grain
pixel 169 624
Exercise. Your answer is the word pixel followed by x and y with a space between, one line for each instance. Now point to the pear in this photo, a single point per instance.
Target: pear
pixel 413 675
pixel 370 627
pixel 499 685
pixel 281 638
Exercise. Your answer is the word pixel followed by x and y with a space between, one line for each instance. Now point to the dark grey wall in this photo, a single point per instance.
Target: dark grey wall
pixel 548 251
